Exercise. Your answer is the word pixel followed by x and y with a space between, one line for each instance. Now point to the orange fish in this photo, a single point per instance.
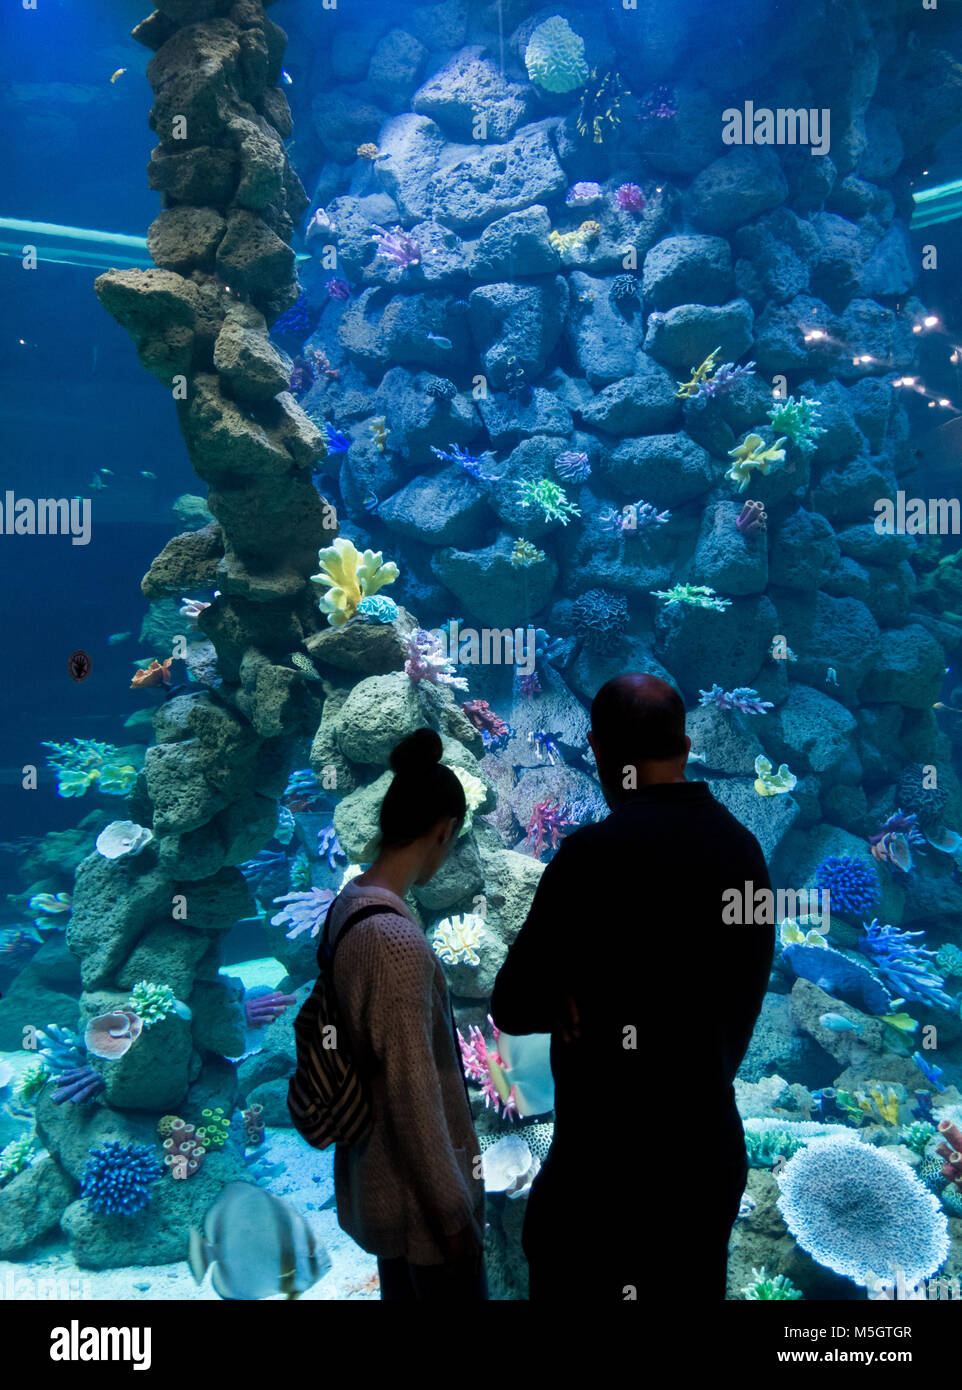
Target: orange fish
pixel 157 673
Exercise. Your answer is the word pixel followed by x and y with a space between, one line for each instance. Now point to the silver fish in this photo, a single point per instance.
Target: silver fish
pixel 257 1246
pixel 838 1023
pixel 746 1206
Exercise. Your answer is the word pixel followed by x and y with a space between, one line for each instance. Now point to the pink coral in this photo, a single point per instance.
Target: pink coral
pixel 477 1060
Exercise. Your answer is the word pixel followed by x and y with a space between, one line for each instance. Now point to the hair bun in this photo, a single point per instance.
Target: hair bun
pixel 418 752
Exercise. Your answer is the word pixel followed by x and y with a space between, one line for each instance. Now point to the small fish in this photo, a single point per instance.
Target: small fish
pixel 146 473
pixel 369 502
pixel 114 75
pixel 107 472
pixel 838 1023
pixel 257 1246
pixel 746 1206
pixel 442 342
pixel 115 638
pixel 286 78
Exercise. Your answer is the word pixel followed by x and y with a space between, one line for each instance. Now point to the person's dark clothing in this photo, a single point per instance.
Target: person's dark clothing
pixel 643 1179
pixel 456 1281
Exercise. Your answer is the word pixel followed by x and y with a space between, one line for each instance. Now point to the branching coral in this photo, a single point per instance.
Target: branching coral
pixel 636 519
pixel 766 1287
pixel 426 661
pixel 152 1002
pixel 753 453
pixel 798 420
pixel 118 1179
pixel 348 575
pixel 906 969
pixel 548 823
pixel 492 728
pixel 742 698
pixel 83 762
pixel 486 1067
pixel 303 912
pixel 699 374
pixel 692 596
pixel 396 246
pixel 523 554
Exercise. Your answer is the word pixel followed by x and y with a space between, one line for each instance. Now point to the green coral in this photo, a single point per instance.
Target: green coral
pixel 798 420
pixel 948 959
pixel 523 553
pixel 767 1286
pixel 692 596
pixel 151 1002
pixel 751 454
pixel 766 1146
pixel 32 1082
pixel 300 871
pixel 768 783
pixel 549 496
pixel 16 1156
pixel 474 794
pixel 916 1136
pixel 83 761
pixel 214 1131
pixel 555 56
pixel 348 575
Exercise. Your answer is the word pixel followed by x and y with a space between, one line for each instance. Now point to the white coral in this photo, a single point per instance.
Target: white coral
pixel 456 939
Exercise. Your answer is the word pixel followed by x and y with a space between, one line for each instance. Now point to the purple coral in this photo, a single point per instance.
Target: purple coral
pixel 426 661
pixel 726 376
pixel 261 1009
pixel 659 104
pixel 904 967
pixel 752 517
pixel 573 466
pixel 337 288
pixel 582 195
pixel 630 198
pixel 635 519
pixel 303 911
pixel 742 698
pixel 329 846
pixel 529 686
pixel 396 246
pixel 78 1084
pixel 893 843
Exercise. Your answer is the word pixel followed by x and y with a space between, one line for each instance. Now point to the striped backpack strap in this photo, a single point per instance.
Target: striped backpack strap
pixel 327 1098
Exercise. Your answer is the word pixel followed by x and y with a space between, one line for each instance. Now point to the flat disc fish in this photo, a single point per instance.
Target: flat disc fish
pixel 256 1246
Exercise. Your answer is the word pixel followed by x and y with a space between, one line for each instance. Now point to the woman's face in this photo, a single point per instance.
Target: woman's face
pixel 441 841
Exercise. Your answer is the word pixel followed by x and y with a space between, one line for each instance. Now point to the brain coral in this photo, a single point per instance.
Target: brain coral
pixel 861 1211
pixel 555 56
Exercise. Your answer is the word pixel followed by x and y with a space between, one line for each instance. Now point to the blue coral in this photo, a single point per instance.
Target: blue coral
pixel 839 975
pixel 852 884
pixel 377 608
pixel 118 1179
pixel 905 967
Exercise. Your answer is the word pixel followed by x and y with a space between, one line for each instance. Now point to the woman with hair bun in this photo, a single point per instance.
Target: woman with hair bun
pixel 411 1193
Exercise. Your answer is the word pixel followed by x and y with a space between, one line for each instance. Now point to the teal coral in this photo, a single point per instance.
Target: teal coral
pixel 83 762
pixel 16 1156
pixel 550 497
pixel 555 56
pixel 917 1135
pixel 378 608
pixel 151 1002
pixel 948 960
pixel 767 1286
pixel 798 420
pixel 692 596
pixel 765 1147
pixel 752 454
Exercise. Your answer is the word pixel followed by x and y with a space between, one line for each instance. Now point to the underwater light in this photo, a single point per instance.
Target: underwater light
pixel 940 204
pixel 60 244
pixel 930 320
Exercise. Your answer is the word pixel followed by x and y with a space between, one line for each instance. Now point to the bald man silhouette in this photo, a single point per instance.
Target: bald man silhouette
pixel 650 1000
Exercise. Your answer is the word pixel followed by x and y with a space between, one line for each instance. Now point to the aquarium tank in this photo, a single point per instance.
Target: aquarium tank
pixel 371 366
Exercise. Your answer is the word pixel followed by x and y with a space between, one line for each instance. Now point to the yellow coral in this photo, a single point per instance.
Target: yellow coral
pixel 698 375
pixel 474 794
pixel 348 575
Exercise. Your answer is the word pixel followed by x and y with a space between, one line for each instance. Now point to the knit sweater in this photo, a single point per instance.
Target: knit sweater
pixel 411 1181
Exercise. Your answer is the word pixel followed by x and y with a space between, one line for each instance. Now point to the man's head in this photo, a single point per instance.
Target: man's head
pixel 637 734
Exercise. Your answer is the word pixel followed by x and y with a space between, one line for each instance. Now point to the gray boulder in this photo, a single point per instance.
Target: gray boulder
pixel 687 270
pixel 732 190
pixel 683 337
